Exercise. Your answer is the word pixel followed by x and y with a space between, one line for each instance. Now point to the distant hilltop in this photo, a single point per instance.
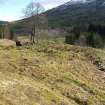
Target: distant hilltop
pixel 3 22
pixel 81 12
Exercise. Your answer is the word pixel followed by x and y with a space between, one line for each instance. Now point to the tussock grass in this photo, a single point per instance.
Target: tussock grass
pixel 51 73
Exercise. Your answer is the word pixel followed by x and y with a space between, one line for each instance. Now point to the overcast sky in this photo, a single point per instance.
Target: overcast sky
pixel 11 10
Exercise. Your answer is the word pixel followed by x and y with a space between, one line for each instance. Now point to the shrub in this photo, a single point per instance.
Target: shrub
pixel 70 39
pixel 94 40
pixel 91 39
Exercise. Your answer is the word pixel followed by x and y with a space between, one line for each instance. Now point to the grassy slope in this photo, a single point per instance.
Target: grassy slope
pixel 51 74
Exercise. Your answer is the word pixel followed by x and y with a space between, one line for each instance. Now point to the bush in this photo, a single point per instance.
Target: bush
pixel 94 40
pixel 70 39
pixel 90 40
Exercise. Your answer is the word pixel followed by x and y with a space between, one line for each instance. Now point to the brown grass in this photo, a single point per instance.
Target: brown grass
pixel 51 73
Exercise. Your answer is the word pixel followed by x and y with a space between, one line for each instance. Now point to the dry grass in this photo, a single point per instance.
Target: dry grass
pixel 5 43
pixel 51 73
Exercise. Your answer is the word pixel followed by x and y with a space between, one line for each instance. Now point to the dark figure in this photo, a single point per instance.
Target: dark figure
pixel 18 43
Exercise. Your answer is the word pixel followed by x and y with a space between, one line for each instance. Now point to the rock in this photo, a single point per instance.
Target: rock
pixel 18 43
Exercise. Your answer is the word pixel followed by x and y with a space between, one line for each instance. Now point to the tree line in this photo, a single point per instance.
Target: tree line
pixel 94 36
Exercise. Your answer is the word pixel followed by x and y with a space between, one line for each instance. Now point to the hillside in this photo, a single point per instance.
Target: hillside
pixel 74 13
pixel 71 13
pixel 51 73
pixel 3 22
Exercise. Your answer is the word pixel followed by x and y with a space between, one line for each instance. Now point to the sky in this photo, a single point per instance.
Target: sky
pixel 11 10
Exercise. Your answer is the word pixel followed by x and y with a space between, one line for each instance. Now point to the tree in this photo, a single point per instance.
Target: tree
pixel 1 31
pixel 34 12
pixel 95 40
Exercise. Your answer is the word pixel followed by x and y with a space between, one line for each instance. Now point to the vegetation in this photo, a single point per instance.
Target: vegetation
pixel 33 11
pixel 51 73
pixel 94 36
pixel 77 14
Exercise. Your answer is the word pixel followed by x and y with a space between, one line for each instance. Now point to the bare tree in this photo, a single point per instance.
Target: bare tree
pixel 34 12
pixel 2 32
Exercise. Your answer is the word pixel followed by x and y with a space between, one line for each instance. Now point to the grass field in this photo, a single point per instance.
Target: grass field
pixel 51 73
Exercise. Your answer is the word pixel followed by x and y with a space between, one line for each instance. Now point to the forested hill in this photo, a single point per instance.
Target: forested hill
pixel 73 13
pixel 3 22
pixel 81 12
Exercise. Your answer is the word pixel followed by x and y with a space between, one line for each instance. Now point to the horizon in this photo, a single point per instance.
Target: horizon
pixel 11 10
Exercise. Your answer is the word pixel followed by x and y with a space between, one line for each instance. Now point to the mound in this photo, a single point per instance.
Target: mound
pixel 7 43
